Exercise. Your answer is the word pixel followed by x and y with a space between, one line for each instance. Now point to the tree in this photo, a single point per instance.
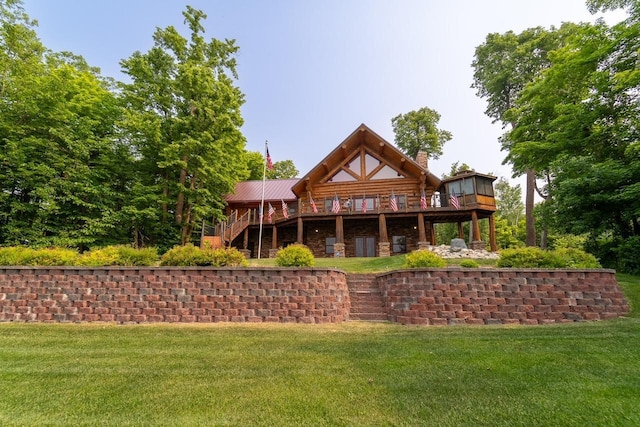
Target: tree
pixel 57 156
pixel 183 120
pixel 503 66
pixel 417 131
pixel 509 201
pixel 282 169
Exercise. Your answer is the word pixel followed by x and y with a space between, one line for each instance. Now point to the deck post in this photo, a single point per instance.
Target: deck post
pixel 300 231
pixel 492 234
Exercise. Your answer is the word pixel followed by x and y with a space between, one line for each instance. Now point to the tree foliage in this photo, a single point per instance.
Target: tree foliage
pixel 59 179
pixel 183 122
pixel 418 131
pixel 503 66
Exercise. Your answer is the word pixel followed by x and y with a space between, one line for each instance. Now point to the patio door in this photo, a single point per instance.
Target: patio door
pixel 365 246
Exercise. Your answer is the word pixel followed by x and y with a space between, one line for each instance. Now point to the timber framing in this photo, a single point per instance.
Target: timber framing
pixel 365 198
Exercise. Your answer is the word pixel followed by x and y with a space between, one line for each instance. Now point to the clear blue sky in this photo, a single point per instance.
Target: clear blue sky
pixel 313 70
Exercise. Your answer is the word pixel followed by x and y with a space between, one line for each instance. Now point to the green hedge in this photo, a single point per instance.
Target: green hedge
pixel 295 255
pixel 190 255
pixel 424 258
pixel 533 257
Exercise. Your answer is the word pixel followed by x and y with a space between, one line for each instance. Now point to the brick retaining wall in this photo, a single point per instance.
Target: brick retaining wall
pixel 305 295
pixel 68 294
pixel 496 296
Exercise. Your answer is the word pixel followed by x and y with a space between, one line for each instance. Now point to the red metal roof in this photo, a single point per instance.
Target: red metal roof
pixel 274 190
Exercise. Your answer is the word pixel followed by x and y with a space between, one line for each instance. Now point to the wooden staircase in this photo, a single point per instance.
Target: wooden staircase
pixel 366 298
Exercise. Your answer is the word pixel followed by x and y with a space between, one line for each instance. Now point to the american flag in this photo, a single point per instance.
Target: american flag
pixel 364 203
pixel 423 201
pixel 285 210
pixel 313 204
pixel 454 201
pixel 269 161
pixel 270 212
pixel 335 207
pixel 393 203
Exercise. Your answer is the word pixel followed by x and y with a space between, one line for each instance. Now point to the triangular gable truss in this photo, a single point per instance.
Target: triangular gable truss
pixel 363 165
pixel 378 159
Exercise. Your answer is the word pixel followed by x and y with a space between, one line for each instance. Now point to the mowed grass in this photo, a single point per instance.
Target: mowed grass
pixel 349 374
pixel 364 265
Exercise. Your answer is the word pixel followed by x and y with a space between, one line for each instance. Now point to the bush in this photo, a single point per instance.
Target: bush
pixel 119 255
pixel 296 255
pixel 35 257
pixel 628 259
pixel 186 256
pixel 532 257
pixel 190 255
pixel 469 263
pixel 227 257
pixel 15 255
pixel 424 258
pixel 576 258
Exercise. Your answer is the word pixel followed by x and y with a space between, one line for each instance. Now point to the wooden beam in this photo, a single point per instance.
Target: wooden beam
pixel 492 234
pixel 422 234
pixel 245 240
pixel 300 229
pixel 475 235
pixel 274 237
pixel 460 231
pixel 382 225
pixel 339 229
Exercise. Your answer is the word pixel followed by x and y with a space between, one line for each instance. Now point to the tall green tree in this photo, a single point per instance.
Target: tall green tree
pixel 183 119
pixel 503 66
pixel 57 158
pixel 418 131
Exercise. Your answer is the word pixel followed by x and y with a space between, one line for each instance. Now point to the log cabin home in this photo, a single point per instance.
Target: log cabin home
pixel 364 199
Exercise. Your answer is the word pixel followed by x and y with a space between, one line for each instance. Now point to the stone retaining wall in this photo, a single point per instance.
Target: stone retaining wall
pixel 305 295
pixel 139 295
pixel 496 296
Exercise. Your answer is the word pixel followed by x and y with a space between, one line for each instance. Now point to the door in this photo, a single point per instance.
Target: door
pixel 365 246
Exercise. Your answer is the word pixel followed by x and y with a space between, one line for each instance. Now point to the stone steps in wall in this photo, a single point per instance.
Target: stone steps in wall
pixel 366 298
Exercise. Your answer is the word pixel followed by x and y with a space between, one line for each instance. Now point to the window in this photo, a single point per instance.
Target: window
pixel 467 186
pixel 399 244
pixel 386 173
pixel 370 201
pixel 455 187
pixel 342 176
pixel 328 245
pixel 485 186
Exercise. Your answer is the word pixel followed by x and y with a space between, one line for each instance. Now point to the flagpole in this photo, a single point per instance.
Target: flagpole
pixel 264 178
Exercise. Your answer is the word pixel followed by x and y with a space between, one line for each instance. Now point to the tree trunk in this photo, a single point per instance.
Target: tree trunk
pixel 180 198
pixel 530 192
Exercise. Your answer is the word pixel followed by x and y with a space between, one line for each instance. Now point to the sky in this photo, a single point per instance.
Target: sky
pixel 313 70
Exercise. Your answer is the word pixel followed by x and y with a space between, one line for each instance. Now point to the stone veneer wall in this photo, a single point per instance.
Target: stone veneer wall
pixel 172 294
pixel 496 296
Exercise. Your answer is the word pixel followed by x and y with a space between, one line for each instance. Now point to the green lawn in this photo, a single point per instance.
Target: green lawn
pixel 361 265
pixel 350 374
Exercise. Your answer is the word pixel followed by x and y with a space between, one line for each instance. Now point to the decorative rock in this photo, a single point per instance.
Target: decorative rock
pixel 445 252
pixel 458 244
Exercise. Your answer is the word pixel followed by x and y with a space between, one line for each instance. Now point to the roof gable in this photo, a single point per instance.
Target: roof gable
pixel 364 156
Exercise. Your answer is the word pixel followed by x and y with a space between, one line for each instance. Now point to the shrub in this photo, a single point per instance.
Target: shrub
pixel 185 256
pixel 15 255
pixel 532 257
pixel 576 258
pixel 529 257
pixel 119 255
pixel 424 258
pixel 628 259
pixel 190 255
pixel 45 256
pixel 296 255
pixel 469 263
pixel 227 257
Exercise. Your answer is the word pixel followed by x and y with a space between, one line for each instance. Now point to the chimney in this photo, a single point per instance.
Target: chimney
pixel 422 158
